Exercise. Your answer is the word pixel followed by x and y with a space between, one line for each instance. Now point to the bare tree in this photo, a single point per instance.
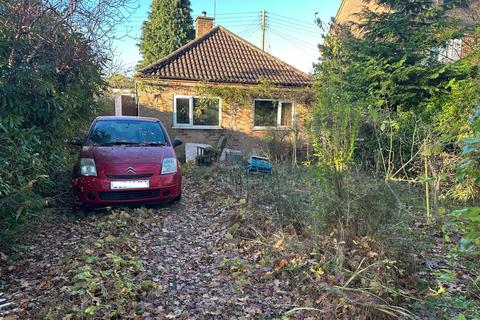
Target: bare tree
pixel 76 27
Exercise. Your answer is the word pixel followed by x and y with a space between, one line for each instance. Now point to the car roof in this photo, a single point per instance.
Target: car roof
pixel 110 118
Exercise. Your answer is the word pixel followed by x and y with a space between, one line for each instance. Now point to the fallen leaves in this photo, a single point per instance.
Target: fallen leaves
pixel 212 256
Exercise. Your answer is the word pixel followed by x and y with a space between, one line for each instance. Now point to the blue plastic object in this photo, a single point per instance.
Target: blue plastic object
pixel 259 164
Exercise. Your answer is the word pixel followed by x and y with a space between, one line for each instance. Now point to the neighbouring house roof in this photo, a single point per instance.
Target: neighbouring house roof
pixel 221 56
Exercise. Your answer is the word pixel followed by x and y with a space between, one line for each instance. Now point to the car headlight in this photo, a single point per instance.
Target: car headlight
pixel 87 167
pixel 169 165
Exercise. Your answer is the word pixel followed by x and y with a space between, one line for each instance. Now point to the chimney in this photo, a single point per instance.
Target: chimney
pixel 203 24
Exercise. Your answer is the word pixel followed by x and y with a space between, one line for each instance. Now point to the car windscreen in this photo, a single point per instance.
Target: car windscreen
pixel 127 132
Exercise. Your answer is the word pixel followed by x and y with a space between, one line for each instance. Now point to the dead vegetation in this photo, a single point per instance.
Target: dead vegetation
pixel 244 246
pixel 374 258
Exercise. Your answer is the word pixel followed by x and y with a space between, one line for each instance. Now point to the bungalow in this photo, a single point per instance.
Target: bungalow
pixel 221 85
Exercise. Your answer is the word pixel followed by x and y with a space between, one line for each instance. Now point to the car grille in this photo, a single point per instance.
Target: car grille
pixel 129 195
pixel 129 176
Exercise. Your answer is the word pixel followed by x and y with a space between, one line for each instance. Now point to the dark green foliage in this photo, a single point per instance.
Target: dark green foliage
pixel 414 109
pixel 469 166
pixel 49 78
pixel 409 98
pixel 394 65
pixel 469 170
pixel 169 26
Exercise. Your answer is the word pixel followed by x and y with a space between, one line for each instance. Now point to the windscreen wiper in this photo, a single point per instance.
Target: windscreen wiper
pixel 152 144
pixel 118 143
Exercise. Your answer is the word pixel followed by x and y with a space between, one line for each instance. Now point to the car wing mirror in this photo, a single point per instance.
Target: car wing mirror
pixel 76 142
pixel 176 142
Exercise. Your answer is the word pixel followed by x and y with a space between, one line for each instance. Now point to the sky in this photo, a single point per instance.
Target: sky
pixel 291 33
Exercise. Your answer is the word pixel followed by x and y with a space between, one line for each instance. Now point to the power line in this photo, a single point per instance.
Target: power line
pixel 305 43
pixel 235 25
pixel 235 21
pixel 295 25
pixel 302 49
pixel 294 42
pixel 296 30
pixel 255 25
pixel 252 36
pixel 268 41
pixel 237 13
pixel 290 18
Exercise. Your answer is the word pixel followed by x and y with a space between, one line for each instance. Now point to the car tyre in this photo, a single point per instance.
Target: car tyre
pixel 178 198
pixel 81 210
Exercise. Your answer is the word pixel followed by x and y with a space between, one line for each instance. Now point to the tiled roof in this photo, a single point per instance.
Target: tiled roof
pixel 221 56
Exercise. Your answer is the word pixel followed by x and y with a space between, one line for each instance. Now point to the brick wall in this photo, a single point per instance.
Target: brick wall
pixel 156 100
pixel 349 10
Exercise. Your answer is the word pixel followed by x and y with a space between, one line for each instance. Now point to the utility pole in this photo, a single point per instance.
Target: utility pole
pixel 264 20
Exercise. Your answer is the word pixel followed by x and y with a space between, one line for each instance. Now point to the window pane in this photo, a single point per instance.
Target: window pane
pixel 183 108
pixel 286 119
pixel 265 113
pixel 206 112
pixel 126 131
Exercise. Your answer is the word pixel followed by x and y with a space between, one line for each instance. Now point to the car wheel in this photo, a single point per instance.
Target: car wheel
pixel 81 211
pixel 178 198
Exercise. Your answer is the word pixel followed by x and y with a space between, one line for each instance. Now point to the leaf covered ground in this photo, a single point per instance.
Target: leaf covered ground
pixel 228 251
pixel 173 262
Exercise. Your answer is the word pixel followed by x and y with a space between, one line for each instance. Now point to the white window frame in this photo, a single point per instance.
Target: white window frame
pixel 190 124
pixel 279 115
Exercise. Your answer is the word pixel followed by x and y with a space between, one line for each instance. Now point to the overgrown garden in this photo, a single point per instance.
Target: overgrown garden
pixel 381 220
pixel 390 105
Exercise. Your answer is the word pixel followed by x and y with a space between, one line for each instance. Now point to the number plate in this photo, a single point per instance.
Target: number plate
pixel 133 184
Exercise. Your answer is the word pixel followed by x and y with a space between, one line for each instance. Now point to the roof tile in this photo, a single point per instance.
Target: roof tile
pixel 221 56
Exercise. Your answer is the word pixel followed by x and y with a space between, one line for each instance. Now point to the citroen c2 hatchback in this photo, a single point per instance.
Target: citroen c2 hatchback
pixel 126 160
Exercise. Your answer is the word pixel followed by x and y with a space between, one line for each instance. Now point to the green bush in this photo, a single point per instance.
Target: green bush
pixel 468 219
pixel 46 97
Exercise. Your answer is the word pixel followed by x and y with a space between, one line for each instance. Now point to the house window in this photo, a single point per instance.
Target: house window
pixel 272 114
pixel 183 110
pixel 196 112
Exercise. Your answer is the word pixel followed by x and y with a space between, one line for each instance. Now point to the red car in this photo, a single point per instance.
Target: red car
pixel 126 160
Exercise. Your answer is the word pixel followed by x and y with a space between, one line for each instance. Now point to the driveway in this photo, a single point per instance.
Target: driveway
pixel 183 252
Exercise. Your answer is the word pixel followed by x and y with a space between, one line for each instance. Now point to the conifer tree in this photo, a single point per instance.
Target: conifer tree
pixel 169 26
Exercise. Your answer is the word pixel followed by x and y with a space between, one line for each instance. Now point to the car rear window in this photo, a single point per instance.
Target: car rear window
pixel 107 132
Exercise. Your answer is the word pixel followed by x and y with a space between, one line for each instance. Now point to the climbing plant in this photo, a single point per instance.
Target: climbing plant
pixel 235 98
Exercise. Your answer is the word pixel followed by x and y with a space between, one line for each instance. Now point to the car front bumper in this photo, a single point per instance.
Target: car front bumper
pixel 96 191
